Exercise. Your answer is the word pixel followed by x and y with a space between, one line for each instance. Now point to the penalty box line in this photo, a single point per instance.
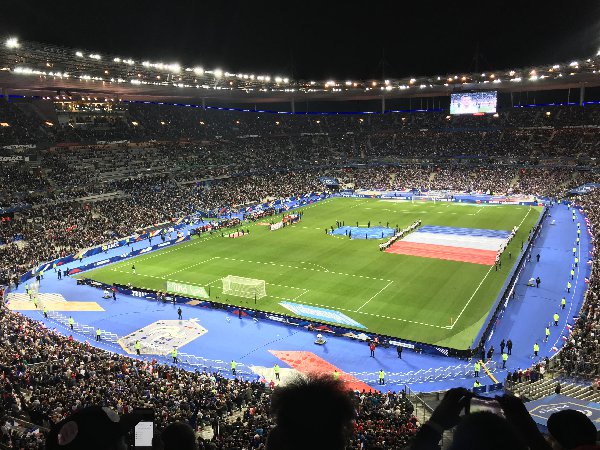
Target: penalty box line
pixel 305 268
pixel 389 282
pixel 295 299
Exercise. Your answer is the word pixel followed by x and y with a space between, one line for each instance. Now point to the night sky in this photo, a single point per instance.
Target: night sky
pixel 317 39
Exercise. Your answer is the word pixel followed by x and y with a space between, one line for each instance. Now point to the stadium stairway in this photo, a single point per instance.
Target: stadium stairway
pixel 547 386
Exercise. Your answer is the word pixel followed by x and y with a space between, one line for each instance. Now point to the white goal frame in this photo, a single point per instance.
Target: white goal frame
pixel 244 287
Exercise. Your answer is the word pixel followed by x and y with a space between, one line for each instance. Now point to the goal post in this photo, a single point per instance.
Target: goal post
pixel 244 287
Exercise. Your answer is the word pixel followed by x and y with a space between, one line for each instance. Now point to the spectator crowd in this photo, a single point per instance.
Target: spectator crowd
pixel 68 199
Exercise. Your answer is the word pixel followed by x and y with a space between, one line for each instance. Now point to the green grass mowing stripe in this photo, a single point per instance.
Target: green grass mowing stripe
pixel 406 296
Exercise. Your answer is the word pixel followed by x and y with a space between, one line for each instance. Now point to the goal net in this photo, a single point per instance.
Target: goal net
pixel 244 287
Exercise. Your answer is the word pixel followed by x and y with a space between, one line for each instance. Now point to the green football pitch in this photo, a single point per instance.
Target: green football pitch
pixel 421 299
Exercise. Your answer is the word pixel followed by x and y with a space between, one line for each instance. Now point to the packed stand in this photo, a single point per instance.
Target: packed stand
pixel 47 376
pixel 580 354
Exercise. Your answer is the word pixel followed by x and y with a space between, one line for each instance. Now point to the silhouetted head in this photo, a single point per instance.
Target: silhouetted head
pixel 486 430
pixel 311 412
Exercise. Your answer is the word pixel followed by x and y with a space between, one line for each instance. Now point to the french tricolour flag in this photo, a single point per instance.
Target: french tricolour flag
pixel 472 245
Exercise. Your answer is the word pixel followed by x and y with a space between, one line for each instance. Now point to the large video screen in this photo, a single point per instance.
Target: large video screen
pixel 473 102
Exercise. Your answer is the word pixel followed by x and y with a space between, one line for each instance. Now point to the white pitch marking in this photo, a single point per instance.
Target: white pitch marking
pixel 378 292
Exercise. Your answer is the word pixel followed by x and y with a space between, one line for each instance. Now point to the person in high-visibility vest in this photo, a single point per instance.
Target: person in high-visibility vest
pixel 547 334
pixel 578 225
pixel 336 375
pixel 137 346
pixel 576 261
pixel 42 274
pixel 276 370
pixel 568 286
pixel 563 303
pixel 476 368
pixel 45 311
pixel 504 359
pixel 555 319
pixel 476 384
pixel 572 274
pixel 578 232
pixel 381 377
pixel 174 355
pixel 577 241
pixel 54 267
pixel 98 333
pixel 574 251
pixel 233 366
pixel 536 349
pixel 71 322
pixel 35 300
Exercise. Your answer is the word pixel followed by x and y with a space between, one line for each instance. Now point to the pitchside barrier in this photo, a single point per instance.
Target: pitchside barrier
pixel 318 327
pixel 425 375
pixel 418 347
pixel 160 352
pixel 497 309
pixel 60 262
pixel 243 371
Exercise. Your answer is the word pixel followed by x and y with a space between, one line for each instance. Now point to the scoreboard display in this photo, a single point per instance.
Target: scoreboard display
pixel 473 102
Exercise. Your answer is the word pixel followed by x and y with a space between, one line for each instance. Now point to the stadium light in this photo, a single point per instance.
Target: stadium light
pixel 218 73
pixel 79 54
pixel 12 42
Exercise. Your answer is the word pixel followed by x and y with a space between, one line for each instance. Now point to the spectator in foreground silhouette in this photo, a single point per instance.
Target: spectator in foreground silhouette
pixel 92 428
pixel 480 429
pixel 570 429
pixel 313 413
pixel 178 436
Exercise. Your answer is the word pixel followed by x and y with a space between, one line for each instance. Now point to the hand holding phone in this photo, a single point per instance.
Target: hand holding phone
pixel 480 404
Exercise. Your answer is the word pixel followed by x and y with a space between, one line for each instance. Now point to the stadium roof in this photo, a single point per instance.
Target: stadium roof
pixel 30 68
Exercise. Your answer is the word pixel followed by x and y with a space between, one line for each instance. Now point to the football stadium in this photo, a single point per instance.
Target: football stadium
pixel 245 249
